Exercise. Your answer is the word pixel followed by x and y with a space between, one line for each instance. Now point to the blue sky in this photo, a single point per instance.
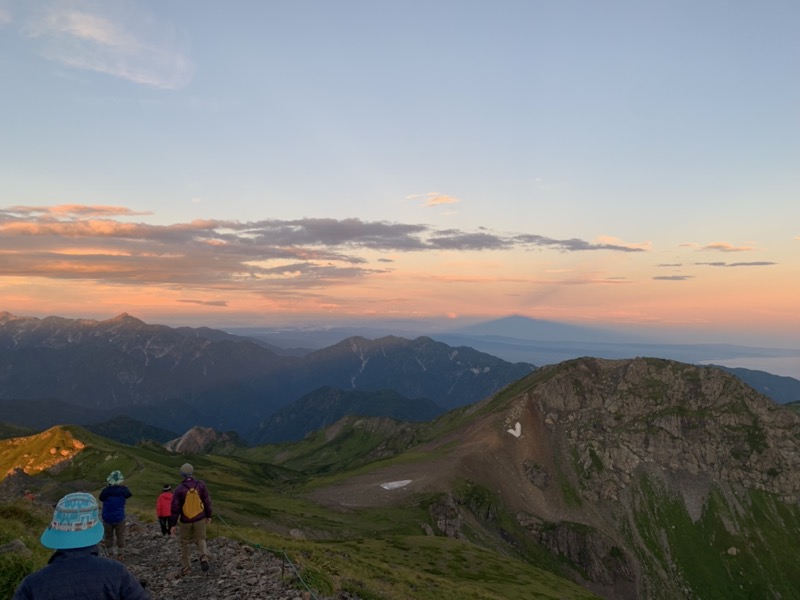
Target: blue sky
pixel 631 163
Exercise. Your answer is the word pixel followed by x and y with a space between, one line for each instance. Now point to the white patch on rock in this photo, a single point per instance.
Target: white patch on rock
pixel 393 485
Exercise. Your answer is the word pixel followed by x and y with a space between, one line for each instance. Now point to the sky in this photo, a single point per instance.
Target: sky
pixel 633 164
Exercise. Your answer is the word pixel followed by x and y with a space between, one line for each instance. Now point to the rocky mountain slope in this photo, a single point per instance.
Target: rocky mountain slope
pixel 780 388
pixel 646 478
pixel 202 440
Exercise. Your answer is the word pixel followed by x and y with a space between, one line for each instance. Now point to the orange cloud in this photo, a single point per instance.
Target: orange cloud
pixel 434 199
pixel 74 210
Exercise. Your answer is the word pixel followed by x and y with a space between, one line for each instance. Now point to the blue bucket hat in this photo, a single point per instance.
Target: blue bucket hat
pixel 76 523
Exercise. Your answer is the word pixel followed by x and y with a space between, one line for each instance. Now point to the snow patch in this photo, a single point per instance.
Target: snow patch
pixel 393 485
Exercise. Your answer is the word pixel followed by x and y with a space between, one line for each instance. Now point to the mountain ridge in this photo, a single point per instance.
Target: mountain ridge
pixel 519 338
pixel 179 378
pixel 598 443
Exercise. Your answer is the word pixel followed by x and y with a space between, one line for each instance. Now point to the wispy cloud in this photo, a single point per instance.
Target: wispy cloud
pixel 102 243
pixel 116 37
pixel 206 302
pixel 673 277
pixel 616 242
pixel 72 210
pixel 575 245
pixel 762 263
pixel 726 247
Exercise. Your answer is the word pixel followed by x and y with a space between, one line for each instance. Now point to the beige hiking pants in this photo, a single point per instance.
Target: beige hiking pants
pixel 193 532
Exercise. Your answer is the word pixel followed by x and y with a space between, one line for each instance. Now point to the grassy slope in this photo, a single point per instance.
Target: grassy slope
pixel 379 552
pixel 725 555
pixel 24 521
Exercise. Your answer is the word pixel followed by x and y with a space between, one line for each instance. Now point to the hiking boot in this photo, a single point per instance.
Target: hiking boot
pixel 186 571
pixel 204 564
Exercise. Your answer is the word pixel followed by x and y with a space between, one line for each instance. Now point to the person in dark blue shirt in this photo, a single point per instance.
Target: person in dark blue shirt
pixel 113 498
pixel 75 571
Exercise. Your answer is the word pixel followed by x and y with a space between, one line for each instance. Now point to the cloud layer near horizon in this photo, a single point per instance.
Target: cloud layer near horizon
pixel 95 243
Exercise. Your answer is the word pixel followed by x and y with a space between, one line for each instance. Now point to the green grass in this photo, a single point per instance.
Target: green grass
pixel 377 553
pixel 419 568
pixel 725 555
pixel 21 521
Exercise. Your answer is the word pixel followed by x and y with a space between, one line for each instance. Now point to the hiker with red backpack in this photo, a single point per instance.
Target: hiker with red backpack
pixel 191 513
pixel 164 508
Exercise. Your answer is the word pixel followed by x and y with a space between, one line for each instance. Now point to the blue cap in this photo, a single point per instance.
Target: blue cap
pixel 76 523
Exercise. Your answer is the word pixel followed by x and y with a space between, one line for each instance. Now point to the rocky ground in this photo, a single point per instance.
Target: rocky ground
pixel 237 571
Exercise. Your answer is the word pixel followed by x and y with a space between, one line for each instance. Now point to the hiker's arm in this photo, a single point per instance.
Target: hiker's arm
pixel 206 498
pixel 175 509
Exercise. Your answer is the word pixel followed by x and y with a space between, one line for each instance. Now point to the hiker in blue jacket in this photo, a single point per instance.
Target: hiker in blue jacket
pixel 113 498
pixel 192 526
pixel 75 571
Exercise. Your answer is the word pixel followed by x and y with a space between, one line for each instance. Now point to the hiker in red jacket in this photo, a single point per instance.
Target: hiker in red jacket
pixel 164 508
pixel 192 526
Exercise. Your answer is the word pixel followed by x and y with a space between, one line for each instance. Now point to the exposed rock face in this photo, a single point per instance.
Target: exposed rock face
pixel 447 517
pixel 618 416
pixel 621 453
pixel 595 554
pixel 200 440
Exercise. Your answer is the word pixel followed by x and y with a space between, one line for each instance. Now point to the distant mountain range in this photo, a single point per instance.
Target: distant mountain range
pixel 57 370
pixel 130 380
pixel 541 342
